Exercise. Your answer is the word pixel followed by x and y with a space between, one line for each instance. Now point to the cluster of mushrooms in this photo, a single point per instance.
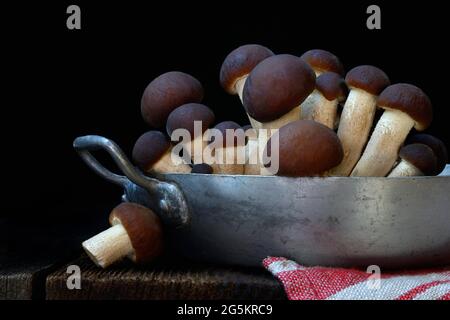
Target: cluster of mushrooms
pixel 325 125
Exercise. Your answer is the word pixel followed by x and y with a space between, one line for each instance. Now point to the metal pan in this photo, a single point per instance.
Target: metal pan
pixel 336 221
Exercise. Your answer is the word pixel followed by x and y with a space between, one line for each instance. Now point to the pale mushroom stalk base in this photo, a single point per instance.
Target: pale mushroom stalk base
pixel 239 85
pixel 382 150
pixel 354 128
pixel 307 106
pixel 196 148
pixel 109 246
pixel 276 124
pixel 405 169
pixel 166 165
pixel 289 117
pixel 251 155
pixel 325 111
pixel 232 160
pixel 254 155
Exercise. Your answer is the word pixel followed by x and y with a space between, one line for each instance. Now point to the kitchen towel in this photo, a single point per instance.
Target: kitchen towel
pixel 320 283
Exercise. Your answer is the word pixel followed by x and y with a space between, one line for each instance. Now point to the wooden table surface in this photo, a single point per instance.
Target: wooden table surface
pixel 34 256
pixel 163 280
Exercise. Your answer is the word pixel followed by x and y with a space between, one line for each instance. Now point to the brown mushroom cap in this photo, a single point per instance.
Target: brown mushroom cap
pixel 368 78
pixel 202 168
pixel 149 148
pixel 143 227
pixel 332 86
pixel 323 61
pixel 230 125
pixel 409 99
pixel 184 116
pixel 420 156
pixel 276 86
pixel 438 147
pixel 167 92
pixel 307 148
pixel 239 63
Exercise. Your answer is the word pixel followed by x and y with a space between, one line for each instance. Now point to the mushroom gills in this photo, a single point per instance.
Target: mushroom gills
pixel 354 128
pixel 382 149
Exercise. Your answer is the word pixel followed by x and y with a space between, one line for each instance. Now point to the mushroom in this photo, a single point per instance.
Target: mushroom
pixel 438 147
pixel 167 92
pixel 306 148
pixel 152 152
pixel 237 66
pixel 322 104
pixel 195 119
pixel 405 106
pixel 135 232
pixel 229 152
pixel 323 61
pixel 202 168
pixel 252 155
pixel 275 88
pixel 365 83
pixel 416 160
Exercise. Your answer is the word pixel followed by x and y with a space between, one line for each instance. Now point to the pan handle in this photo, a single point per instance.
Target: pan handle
pixel 164 198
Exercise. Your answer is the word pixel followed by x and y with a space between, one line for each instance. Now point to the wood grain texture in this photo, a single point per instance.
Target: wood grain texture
pixel 164 280
pixel 24 280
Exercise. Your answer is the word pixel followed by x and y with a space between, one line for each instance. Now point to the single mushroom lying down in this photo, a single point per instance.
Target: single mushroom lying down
pixel 405 106
pixel 135 232
pixel 416 160
pixel 152 152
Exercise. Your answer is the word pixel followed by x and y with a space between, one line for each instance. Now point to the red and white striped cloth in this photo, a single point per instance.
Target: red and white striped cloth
pixel 319 283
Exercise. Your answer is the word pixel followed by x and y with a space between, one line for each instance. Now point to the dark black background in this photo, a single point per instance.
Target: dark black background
pixel 59 84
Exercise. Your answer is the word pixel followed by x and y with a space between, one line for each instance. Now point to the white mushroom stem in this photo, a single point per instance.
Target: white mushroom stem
pixel 276 124
pixel 308 105
pixel 405 169
pixel 354 128
pixel 318 108
pixel 289 117
pixel 254 156
pixel 166 165
pixel 252 163
pixel 109 246
pixel 382 149
pixel 230 160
